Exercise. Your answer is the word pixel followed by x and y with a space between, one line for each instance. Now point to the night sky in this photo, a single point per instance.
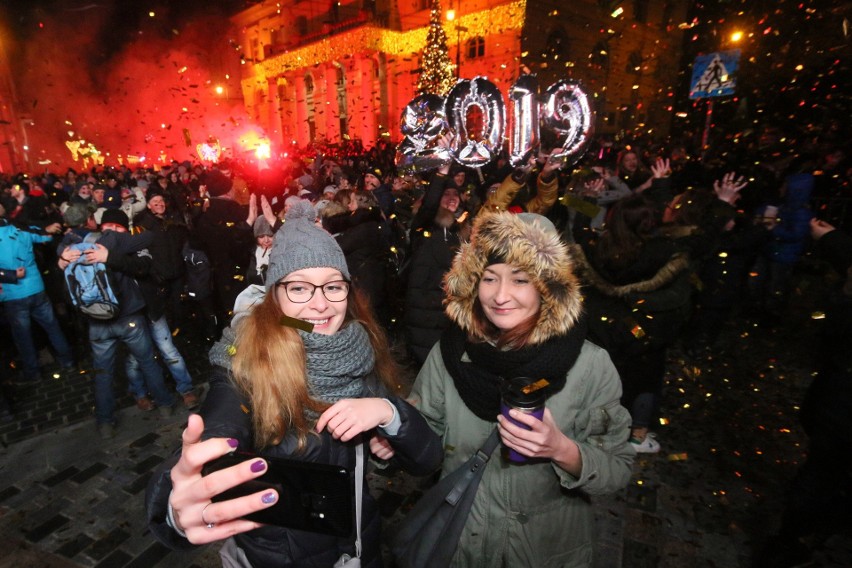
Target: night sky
pixel 131 83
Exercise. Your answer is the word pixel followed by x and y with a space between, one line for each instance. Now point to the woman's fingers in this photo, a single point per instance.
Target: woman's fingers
pixel 215 521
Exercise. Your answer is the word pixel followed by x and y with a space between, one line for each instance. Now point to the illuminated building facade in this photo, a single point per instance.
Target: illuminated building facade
pixel 322 69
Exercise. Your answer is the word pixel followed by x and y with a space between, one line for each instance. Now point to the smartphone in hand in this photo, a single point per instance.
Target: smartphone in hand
pixel 312 496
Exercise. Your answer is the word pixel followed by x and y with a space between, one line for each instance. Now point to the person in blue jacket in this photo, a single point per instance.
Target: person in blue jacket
pixel 789 225
pixel 26 301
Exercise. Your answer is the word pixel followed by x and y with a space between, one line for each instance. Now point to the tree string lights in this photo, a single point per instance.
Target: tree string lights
pixel 436 76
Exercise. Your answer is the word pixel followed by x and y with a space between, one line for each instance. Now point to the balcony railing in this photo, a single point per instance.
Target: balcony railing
pixel 326 29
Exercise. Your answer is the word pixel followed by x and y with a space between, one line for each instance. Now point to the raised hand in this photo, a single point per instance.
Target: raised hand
pixel 661 168
pixel 252 215
pixel 266 208
pixel 820 228
pixel 728 188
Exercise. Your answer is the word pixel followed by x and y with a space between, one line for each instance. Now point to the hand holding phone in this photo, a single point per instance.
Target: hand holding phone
pixel 191 498
pixel 313 497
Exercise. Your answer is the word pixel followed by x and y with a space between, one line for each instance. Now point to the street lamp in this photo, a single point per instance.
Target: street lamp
pixel 451 16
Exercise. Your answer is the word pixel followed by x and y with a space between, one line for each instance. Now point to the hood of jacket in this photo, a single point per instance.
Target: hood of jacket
pixel 664 276
pixel 526 242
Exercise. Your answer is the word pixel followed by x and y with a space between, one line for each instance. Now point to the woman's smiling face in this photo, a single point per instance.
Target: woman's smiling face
pixel 326 316
pixel 508 296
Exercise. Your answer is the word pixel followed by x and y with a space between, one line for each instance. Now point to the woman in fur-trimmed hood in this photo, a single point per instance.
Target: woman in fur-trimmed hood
pixel 517 311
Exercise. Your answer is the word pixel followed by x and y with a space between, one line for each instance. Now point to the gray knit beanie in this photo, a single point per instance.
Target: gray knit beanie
pixel 299 244
pixel 261 227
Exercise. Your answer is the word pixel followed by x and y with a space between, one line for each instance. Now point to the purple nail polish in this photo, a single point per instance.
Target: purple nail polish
pixel 233 442
pixel 268 498
pixel 258 466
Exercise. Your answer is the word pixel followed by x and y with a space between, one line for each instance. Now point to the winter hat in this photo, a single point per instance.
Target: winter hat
pixel 306 180
pixel 292 200
pixel 218 184
pixel 76 215
pixel 530 243
pixel 142 184
pixel 116 216
pixel 300 244
pixel 375 170
pixel 261 228
pixel 112 198
pixel 332 189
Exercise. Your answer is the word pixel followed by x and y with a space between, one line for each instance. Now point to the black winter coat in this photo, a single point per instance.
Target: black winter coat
pixel 434 242
pixel 416 447
pixel 362 239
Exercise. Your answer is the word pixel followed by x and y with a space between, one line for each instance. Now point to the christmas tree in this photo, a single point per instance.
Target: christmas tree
pixel 436 75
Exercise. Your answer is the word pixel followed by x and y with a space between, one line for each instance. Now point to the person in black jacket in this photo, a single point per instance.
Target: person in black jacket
pixel 819 500
pixel 361 236
pixel 161 287
pixel 223 231
pixel 306 375
pixel 638 297
pixel 126 256
pixel 436 234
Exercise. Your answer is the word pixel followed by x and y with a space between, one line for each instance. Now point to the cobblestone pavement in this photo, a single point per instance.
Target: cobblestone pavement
pixel 731 444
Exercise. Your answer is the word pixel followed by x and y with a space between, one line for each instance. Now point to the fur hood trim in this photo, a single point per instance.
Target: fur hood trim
pixel 444 218
pixel 664 276
pixel 529 246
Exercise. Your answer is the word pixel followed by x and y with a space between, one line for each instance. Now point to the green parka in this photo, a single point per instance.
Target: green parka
pixel 535 514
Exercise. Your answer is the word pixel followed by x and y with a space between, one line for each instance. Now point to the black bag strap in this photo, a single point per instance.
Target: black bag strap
pixel 475 467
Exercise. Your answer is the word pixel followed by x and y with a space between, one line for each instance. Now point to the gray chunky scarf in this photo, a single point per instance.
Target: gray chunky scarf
pixel 336 364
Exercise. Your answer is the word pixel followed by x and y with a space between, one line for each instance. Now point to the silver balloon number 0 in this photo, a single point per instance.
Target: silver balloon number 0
pixel 474 112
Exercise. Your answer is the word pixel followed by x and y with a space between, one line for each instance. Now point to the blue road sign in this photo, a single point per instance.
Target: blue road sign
pixel 714 74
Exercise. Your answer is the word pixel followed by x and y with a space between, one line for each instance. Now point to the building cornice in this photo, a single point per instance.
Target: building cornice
pixel 370 39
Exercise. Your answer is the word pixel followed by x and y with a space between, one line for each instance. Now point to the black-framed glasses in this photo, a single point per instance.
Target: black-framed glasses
pixel 301 292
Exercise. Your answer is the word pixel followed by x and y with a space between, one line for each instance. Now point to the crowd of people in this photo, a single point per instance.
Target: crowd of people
pixel 304 274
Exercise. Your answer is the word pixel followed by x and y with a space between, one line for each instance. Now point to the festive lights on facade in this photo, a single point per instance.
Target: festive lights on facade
pixel 369 38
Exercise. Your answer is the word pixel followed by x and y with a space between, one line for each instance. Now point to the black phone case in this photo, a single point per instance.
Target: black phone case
pixel 312 497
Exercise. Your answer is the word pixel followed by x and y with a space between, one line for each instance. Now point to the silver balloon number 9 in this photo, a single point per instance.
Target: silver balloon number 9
pixel 474 112
pixel 566 112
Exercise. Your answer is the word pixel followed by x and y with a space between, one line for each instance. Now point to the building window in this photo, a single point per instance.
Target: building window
pixel 256 49
pixel 640 10
pixel 634 63
pixel 556 46
pixel 668 11
pixel 302 25
pixel 475 47
pixel 599 57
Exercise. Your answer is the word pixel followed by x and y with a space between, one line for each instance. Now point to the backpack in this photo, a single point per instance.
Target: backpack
pixel 197 272
pixel 89 284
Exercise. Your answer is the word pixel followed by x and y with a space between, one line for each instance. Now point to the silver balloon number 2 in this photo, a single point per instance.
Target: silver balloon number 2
pixel 423 122
pixel 474 113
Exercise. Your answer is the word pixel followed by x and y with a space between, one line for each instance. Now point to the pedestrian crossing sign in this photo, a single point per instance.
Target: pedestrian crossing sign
pixel 714 74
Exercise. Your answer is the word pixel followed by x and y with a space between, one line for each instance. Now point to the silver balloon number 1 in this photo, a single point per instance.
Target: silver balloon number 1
pixel 474 113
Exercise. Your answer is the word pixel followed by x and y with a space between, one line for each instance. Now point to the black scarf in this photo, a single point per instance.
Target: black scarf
pixel 478 381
